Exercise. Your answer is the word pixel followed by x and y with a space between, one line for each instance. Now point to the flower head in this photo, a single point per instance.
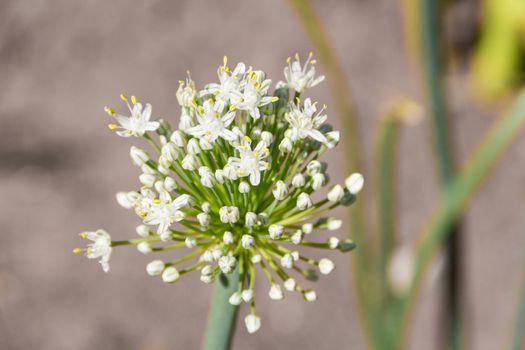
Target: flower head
pixel 233 189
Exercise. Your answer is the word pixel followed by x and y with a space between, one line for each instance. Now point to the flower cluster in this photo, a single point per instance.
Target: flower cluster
pixel 232 187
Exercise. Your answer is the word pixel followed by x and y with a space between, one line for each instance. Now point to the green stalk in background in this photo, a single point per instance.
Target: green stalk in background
pixel 350 138
pixel 518 338
pixel 223 315
pixel 458 195
pixel 431 55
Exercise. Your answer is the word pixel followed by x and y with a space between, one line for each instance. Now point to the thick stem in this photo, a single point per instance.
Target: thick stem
pixel 222 317
pixel 433 72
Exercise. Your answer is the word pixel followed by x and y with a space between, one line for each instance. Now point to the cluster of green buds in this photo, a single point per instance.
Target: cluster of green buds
pixel 232 188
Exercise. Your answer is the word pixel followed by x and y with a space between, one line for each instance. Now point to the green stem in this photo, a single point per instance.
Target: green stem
pixel 340 91
pixel 432 56
pixel 518 341
pixel 457 197
pixel 222 317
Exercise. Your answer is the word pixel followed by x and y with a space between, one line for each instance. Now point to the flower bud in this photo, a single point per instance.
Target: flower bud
pixel 207 177
pixel 244 187
pixel 142 231
pixel 354 183
pixel 276 293
pixel 230 172
pixel 170 152
pixel 286 145
pixel 333 242
pixel 336 193
pixel 298 180
pixel 310 295
pixel 280 191
pixel 146 169
pixel 124 200
pixel 313 167
pixel 155 267
pixel 144 248
pixel 170 274
pixel 247 295
pixel 334 224
pixel 177 138
pixel 318 181
pixel 229 214
pixel 263 218
pixel 307 228
pixel 267 137
pixel 304 201
pixel 227 264
pixel 190 242
pixel 138 156
pixel 189 162
pixel 227 237
pixel 256 259
pixel 206 207
pixel 204 219
pixel 346 246
pixel 332 138
pixel 253 323
pixel 297 237
pixel 290 284
pixel 193 147
pixel 186 120
pixel 186 93
pixel 170 184
pixel 326 266
pixel 247 241
pixel 235 299
pixel 219 176
pixel 275 231
pixel 205 144
pixel 251 219
pixel 147 180
pixel 287 261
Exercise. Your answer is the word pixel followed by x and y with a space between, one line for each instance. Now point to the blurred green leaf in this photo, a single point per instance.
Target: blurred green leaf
pixel 518 338
pixel 498 58
pixel 460 191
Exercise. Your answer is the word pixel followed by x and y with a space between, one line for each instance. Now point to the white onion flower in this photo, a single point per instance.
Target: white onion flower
pixel 234 188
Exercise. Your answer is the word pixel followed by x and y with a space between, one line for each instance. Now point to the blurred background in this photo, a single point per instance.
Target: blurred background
pixel 61 62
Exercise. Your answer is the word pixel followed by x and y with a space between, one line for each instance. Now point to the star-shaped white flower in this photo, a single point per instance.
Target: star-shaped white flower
pixel 251 162
pixel 304 123
pixel 211 124
pixel 165 212
pixel 100 248
pixel 299 78
pixel 135 125
pixel 229 87
pixel 254 94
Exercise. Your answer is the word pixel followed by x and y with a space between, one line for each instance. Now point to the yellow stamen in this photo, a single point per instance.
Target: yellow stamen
pixel 77 250
pixel 241 172
pixel 233 107
pixel 275 99
pixel 83 235
pixel 109 110
pixel 123 97
pixel 225 60
pixel 134 99
pixel 249 140
pixel 112 126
